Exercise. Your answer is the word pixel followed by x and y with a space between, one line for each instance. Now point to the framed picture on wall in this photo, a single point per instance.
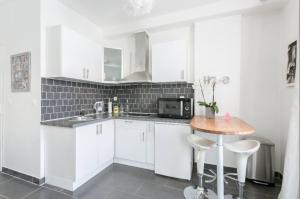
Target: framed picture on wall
pixel 292 64
pixel 20 72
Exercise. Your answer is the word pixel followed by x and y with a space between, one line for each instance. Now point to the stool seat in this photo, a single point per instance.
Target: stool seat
pixel 200 143
pixel 243 149
pixel 246 147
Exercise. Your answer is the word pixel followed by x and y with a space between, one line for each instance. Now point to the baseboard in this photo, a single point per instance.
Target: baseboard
pixel 70 185
pixel 134 163
pixel 23 176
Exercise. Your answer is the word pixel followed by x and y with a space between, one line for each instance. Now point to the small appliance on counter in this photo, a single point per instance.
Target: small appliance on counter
pixel 178 108
pixel 99 107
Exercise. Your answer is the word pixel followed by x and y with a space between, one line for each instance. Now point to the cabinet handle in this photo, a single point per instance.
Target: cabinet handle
pixel 100 129
pixel 128 121
pixel 84 73
pixel 87 73
pixel 97 129
pixel 182 74
pixel 143 136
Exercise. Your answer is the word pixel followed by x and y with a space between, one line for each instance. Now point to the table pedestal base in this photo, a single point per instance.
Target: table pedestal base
pixel 194 192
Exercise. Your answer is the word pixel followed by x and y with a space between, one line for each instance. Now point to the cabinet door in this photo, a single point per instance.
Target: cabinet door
pixel 86 150
pixel 72 55
pixel 169 61
pixel 172 148
pixel 131 140
pixel 73 64
pixel 150 143
pixel 112 67
pixel 106 142
pixel 92 61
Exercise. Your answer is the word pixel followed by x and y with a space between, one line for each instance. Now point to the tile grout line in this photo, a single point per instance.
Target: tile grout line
pixel 8 180
pixel 18 178
pixel 30 193
pixel 3 196
pixel 61 192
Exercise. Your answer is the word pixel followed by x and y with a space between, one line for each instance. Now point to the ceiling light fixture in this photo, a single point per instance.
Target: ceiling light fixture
pixel 138 7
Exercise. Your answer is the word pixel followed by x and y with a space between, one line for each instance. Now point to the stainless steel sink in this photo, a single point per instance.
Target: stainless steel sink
pixel 81 118
pixel 138 114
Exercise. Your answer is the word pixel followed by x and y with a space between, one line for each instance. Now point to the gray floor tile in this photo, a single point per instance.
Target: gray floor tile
pixel 122 195
pixel 124 182
pixel 45 193
pixel 4 177
pixel 177 184
pixel 155 191
pixel 94 190
pixel 15 189
pixel 53 188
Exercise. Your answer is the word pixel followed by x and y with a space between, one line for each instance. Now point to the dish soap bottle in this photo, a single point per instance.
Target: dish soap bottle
pixel 116 106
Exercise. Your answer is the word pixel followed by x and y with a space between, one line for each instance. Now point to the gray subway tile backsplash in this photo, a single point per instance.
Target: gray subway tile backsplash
pixel 60 98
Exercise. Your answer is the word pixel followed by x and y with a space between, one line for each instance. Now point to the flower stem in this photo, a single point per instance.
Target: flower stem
pixel 213 99
pixel 202 92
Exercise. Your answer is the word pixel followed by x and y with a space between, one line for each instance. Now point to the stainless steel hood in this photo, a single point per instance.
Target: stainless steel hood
pixel 139 59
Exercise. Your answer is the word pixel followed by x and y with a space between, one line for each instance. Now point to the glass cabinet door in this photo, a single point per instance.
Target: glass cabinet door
pixel 112 64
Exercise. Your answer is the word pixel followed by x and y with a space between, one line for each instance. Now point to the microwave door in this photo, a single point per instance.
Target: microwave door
pixel 169 108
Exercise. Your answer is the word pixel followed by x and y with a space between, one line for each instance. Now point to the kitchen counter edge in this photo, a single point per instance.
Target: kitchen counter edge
pixel 66 123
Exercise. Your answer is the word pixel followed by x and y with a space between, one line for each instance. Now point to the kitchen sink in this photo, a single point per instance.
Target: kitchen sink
pixel 81 118
pixel 138 114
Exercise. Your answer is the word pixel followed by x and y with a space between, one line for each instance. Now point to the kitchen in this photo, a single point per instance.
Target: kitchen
pixel 110 100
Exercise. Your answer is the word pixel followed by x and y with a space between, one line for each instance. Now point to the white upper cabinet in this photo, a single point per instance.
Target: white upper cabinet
pixel 112 67
pixel 169 61
pixel 71 55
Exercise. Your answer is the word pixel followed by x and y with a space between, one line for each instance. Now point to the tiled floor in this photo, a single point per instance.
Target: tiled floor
pixel 121 182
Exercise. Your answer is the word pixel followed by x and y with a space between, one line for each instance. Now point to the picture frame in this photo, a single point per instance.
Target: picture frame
pixel 21 72
pixel 292 64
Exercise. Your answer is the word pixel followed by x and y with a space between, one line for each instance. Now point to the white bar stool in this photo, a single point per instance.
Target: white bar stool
pixel 243 149
pixel 201 145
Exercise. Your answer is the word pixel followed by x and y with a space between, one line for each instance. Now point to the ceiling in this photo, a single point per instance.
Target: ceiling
pixel 105 13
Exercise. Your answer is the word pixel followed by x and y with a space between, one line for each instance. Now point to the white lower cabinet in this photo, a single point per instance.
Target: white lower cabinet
pixel 106 137
pixel 173 154
pixel 75 155
pixel 86 152
pixel 134 143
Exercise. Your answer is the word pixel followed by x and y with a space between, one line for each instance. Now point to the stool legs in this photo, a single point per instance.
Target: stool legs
pixel 199 191
pixel 243 150
pixel 241 190
pixel 241 170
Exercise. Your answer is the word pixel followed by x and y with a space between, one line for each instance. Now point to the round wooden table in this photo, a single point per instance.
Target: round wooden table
pixel 219 126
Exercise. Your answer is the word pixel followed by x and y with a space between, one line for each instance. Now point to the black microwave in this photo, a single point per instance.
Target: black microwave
pixel 179 108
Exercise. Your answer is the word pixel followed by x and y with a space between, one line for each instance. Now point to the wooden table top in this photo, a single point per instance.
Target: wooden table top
pixel 219 125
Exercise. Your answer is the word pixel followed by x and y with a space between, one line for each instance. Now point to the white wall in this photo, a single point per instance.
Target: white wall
pixel 260 70
pixel 289 30
pixel 217 53
pixel 54 13
pixel 20 32
pixel 2 75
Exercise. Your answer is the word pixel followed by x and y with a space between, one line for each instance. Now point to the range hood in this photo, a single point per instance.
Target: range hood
pixel 139 59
